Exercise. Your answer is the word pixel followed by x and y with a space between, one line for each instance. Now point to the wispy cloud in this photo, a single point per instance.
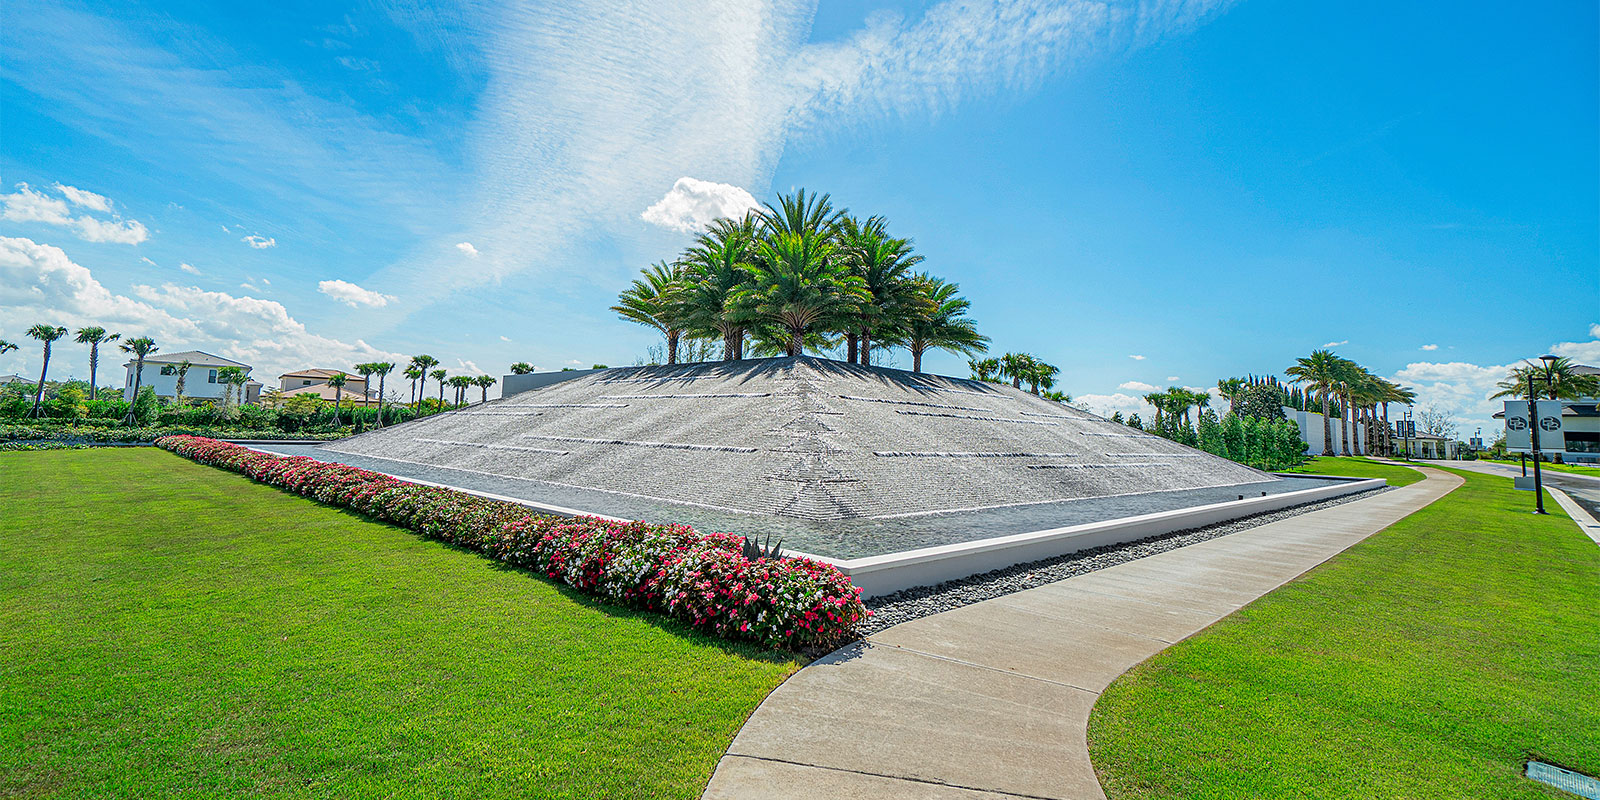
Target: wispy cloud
pixel 1136 357
pixel 1430 347
pixel 260 242
pixel 1336 344
pixel 189 268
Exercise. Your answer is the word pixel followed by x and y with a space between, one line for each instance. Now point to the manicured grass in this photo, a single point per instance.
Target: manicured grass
pixel 1429 661
pixel 1356 467
pixel 171 629
pixel 1575 469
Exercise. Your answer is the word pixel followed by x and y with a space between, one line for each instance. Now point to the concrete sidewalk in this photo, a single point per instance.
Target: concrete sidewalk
pixel 992 700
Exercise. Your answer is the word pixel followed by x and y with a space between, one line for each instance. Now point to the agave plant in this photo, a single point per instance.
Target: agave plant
pixel 753 550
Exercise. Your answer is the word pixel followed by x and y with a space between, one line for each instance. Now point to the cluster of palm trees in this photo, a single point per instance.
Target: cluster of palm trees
pixel 94 336
pixel 1019 368
pixel 1172 406
pixel 422 367
pixel 800 275
pixel 1359 393
pixel 1557 379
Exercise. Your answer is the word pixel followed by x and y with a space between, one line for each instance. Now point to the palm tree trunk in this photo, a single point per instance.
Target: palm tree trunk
pixel 1388 444
pixel 1327 427
pixel 796 343
pixel 672 346
pixel 916 359
pixel 730 344
pixel 866 348
pixel 138 374
pixel 850 344
pixel 381 379
pixel 38 392
pixel 1344 426
pixel 94 367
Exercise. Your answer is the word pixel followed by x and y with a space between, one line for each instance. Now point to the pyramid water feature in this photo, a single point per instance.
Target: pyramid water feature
pixel 838 460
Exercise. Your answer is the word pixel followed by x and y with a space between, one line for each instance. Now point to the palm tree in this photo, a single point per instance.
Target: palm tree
pixel 94 336
pixel 984 369
pixel 439 375
pixel 654 301
pixel 883 263
pixel 422 364
pixel 941 323
pixel 229 377
pixel 801 214
pixel 140 348
pixel 715 267
pixel 382 370
pixel 1321 371
pixel 521 368
pixel 1561 380
pixel 1016 367
pixel 484 382
pixel 46 334
pixel 1202 400
pixel 1393 393
pixel 461 384
pixel 366 387
pixel 337 381
pixel 1041 374
pixel 799 288
pixel 1231 388
pixel 180 369
pixel 6 347
pixel 1158 401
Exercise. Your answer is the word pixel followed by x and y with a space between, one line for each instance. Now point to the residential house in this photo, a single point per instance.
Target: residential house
pixel 314 382
pixel 200 383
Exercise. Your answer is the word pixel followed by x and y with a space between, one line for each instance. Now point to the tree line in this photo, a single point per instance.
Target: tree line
pixel 799 275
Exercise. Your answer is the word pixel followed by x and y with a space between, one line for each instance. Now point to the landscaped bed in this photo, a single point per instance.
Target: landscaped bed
pixel 174 629
pixel 1431 660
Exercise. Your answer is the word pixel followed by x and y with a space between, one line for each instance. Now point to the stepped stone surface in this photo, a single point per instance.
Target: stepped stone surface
pixel 802 437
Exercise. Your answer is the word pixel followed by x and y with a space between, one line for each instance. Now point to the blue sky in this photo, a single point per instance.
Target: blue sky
pixel 1141 193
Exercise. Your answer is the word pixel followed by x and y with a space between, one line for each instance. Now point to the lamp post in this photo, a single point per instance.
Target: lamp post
pixel 1533 435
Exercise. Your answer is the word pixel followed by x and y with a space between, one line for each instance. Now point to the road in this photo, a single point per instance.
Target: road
pixel 1584 489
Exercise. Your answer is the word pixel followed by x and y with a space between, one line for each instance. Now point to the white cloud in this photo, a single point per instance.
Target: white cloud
pixel 1335 344
pixel 1138 386
pixel 189 268
pixel 691 204
pixel 259 242
pixel 505 338
pixel 1107 404
pixel 148 261
pixel 353 295
pixel 1430 347
pixel 1172 379
pixel 466 247
pixel 28 205
pixel 39 282
pixel 1137 358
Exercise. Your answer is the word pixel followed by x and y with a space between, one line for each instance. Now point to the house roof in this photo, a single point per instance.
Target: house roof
pixel 196 358
pixel 316 372
pixel 327 392
pixel 14 379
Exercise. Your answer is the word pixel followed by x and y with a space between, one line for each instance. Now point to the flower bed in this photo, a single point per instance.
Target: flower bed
pixel 700 578
pixel 47 431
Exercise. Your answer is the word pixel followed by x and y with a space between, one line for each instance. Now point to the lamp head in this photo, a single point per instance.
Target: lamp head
pixel 1548 360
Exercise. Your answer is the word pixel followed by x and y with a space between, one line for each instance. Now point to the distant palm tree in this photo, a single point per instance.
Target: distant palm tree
pixel 233 380
pixel 1232 389
pixel 1393 393
pixel 1320 371
pixel 460 384
pixel 6 347
pixel 439 375
pixel 883 264
pixel 180 369
pixel 140 348
pixel 1041 374
pixel 412 373
pixel 484 382
pixel 984 369
pixel 46 334
pixel 941 323
pixel 382 370
pixel 654 301
pixel 521 368
pixel 422 364
pixel 1016 367
pixel 366 385
pixel 94 336
pixel 337 381
pixel 1158 401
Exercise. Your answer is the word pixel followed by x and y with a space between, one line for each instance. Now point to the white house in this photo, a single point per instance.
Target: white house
pixel 200 382
pixel 1310 423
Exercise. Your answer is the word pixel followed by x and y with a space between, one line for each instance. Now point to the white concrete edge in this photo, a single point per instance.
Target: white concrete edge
pixel 877 575
pixel 1582 518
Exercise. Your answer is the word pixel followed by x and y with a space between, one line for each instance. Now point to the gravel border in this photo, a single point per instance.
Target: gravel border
pixel 922 601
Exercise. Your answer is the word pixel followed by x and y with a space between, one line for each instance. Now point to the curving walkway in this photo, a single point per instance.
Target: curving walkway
pixel 992 700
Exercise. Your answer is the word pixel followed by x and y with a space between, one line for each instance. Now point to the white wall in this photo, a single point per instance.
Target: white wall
pixel 1310 423
pixel 197 384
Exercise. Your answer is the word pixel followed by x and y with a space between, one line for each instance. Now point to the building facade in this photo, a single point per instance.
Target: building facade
pixel 200 382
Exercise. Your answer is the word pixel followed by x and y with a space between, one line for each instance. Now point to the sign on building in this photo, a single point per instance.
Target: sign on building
pixel 1547 416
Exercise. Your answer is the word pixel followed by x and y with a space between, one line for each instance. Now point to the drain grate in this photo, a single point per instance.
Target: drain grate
pixel 1564 779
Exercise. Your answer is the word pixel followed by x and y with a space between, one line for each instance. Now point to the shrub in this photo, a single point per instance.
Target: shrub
pixel 700 578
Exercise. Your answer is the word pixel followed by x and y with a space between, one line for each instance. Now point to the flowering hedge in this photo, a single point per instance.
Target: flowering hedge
pixel 701 578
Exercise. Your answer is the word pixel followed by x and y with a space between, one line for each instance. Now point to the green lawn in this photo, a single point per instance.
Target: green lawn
pixel 1355 467
pixel 1575 469
pixel 174 630
pixel 1429 661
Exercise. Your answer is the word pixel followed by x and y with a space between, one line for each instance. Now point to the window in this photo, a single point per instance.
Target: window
pixel 212 377
pixel 305 383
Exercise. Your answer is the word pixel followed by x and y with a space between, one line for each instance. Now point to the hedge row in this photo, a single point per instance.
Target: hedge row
pixel 49 431
pixel 702 579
